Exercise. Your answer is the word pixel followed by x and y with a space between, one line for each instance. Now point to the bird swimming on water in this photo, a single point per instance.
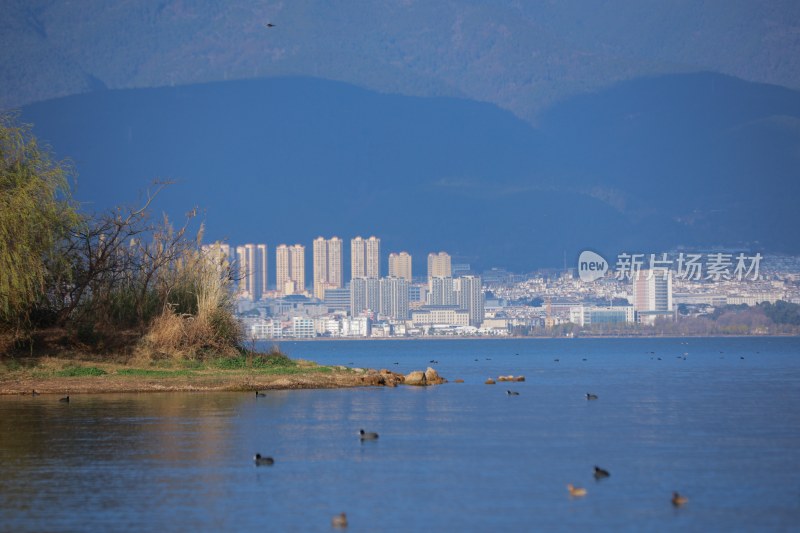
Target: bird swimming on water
pixel 65 399
pixel 600 473
pixel 576 491
pixel 340 520
pixel 368 435
pixel 260 394
pixel 34 393
pixel 678 500
pixel 590 396
pixel 263 461
pixel 512 393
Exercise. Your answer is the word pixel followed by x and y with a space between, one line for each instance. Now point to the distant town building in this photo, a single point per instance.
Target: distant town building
pixel 364 295
pixel 365 257
pixel 400 266
pixel 652 295
pixel 470 298
pixel 442 291
pixel 394 298
pixel 290 269
pixel 439 266
pixel 373 257
pixel 252 271
pixel 327 265
pixel 357 258
pixel 583 315
pixel 337 299
pixel 440 316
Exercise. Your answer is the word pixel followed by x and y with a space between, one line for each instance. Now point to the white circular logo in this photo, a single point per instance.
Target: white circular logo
pixel 591 266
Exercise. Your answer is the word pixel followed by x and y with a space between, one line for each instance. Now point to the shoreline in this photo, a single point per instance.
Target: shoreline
pixel 64 376
pixel 525 337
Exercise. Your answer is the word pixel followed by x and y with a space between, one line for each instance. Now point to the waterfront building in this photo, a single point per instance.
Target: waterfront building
pixel 440 316
pixel 584 315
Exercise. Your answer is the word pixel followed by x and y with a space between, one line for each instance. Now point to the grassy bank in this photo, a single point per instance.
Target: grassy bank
pixel 59 375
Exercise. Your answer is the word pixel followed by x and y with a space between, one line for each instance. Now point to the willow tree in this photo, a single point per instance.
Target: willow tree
pixel 36 216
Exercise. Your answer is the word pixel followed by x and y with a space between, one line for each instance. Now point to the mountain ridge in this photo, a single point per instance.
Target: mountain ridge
pixel 295 158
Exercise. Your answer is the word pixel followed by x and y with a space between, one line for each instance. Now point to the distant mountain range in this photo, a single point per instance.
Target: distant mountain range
pixel 645 165
pixel 521 56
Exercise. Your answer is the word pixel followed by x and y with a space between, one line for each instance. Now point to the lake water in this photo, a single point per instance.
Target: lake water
pixel 715 419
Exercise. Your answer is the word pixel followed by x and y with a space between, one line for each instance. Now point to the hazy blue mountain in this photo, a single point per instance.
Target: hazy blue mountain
pixel 697 159
pixel 521 55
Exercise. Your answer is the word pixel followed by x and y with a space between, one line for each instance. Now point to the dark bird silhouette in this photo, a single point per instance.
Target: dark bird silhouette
pixel 339 521
pixel 600 473
pixel 678 500
pixel 590 396
pixel 65 399
pixel 368 435
pixel 34 393
pixel 512 393
pixel 260 394
pixel 269 25
pixel 263 461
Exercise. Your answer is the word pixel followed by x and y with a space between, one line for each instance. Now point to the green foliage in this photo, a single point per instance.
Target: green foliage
pixel 782 312
pixel 271 360
pixel 80 371
pixel 147 373
pixel 36 216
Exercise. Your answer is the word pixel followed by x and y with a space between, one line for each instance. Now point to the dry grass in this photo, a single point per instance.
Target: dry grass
pixel 185 337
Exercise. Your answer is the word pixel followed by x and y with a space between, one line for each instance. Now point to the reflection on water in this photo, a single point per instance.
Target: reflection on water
pixel 722 430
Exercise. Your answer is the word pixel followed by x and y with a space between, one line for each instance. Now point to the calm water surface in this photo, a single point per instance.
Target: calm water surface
pixel 721 426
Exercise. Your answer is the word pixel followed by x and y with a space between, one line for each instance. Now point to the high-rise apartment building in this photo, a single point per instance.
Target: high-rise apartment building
pixel 394 298
pixel 297 267
pixel 357 258
pixel 442 291
pixel 282 270
pixel 400 266
pixel 373 257
pixel 261 268
pixel 252 270
pixel 652 294
pixel 327 265
pixel 439 265
pixel 290 269
pixel 365 258
pixel 470 298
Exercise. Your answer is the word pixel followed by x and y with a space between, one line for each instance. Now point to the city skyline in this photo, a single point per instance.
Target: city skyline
pixel 327 266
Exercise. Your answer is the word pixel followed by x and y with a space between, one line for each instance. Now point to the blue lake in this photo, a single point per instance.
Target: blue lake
pixel 714 419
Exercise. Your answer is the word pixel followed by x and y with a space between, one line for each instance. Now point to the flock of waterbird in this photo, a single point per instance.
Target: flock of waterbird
pixel 340 520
